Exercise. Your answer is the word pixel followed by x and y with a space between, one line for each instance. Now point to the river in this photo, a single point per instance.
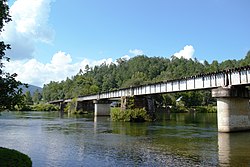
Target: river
pixel 55 140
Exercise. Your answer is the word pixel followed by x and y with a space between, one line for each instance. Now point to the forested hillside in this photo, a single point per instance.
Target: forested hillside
pixel 135 71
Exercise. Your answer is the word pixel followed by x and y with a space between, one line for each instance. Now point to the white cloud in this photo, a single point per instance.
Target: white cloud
pixel 136 52
pixel 29 25
pixel 126 57
pixel 99 62
pixel 61 66
pixel 61 58
pixel 187 52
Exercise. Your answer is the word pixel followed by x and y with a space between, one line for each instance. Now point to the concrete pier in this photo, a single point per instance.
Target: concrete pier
pixel 62 106
pixel 102 107
pixel 233 113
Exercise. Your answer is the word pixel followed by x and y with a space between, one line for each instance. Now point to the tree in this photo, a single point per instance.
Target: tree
pixel 37 97
pixel 192 98
pixel 214 66
pixel 28 98
pixel 10 92
pixel 246 61
pixel 4 18
pixel 168 100
pixel 53 91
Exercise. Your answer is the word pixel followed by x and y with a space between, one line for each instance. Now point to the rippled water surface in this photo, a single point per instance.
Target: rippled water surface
pixel 54 140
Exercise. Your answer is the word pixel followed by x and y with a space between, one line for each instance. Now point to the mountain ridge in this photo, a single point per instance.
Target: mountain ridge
pixel 31 89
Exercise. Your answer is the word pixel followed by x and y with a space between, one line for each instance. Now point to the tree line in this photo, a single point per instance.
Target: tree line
pixel 137 71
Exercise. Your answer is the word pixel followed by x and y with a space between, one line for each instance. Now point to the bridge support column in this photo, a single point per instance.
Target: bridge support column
pixel 62 106
pixel 233 113
pixel 102 107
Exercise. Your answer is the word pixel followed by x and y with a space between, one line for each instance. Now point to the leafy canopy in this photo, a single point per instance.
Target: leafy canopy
pixel 10 93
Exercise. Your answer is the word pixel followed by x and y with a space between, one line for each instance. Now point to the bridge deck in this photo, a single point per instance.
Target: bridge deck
pixel 232 77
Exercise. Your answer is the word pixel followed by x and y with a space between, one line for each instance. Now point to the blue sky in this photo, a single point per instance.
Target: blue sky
pixel 53 34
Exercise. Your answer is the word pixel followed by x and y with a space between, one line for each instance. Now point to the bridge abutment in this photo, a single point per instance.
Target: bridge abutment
pixel 233 113
pixel 102 107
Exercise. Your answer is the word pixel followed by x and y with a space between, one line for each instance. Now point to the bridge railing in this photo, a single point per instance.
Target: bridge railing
pixel 240 77
pixel 207 81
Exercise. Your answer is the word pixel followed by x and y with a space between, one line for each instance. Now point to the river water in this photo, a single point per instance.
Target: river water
pixel 55 140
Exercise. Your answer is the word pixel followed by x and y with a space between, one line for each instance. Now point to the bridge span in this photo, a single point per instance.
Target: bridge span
pixel 228 86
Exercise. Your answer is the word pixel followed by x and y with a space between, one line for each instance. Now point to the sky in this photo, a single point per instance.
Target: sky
pixel 53 39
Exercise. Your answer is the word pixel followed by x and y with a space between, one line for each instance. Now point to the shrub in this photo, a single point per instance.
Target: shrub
pixel 45 107
pixel 199 109
pixel 71 107
pixel 130 115
pixel 13 158
pixel 206 109
pixel 23 108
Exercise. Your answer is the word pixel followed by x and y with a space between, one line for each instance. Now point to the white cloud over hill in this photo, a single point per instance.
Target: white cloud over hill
pixel 187 52
pixel 136 52
pixel 60 67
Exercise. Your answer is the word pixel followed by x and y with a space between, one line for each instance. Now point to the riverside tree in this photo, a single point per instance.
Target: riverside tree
pixel 10 91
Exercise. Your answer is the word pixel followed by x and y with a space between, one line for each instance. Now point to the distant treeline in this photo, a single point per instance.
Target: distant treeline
pixel 137 71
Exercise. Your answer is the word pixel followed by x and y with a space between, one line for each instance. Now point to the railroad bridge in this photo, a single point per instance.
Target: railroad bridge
pixel 228 86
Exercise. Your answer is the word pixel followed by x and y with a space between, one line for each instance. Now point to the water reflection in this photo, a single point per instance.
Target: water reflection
pixel 73 140
pixel 234 149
